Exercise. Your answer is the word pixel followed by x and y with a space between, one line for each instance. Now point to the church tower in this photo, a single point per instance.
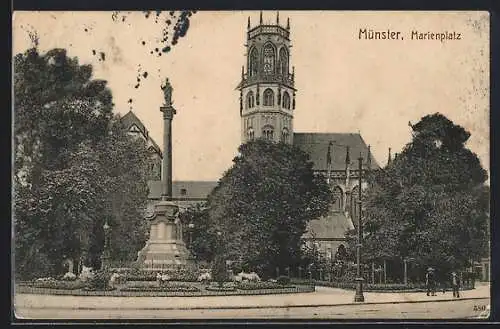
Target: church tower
pixel 267 93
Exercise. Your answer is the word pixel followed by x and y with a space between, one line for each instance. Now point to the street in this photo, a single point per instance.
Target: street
pixel 456 309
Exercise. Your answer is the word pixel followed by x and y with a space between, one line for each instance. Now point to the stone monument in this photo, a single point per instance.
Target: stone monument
pixel 165 248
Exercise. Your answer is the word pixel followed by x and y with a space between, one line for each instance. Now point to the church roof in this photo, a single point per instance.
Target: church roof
pixel 332 226
pixel 183 189
pixel 130 119
pixel 316 145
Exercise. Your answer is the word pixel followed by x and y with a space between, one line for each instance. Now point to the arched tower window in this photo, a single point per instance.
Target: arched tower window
pixel 268 132
pixel 269 58
pixel 284 135
pixel 286 100
pixel 250 100
pixel 268 97
pixel 283 61
pixel 250 134
pixel 253 62
pixel 338 198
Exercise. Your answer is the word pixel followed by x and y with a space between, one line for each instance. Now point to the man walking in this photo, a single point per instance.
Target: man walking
pixel 455 283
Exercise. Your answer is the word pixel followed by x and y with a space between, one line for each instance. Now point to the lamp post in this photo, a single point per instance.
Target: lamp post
pixel 190 228
pixel 358 297
pixel 105 254
pixel 220 264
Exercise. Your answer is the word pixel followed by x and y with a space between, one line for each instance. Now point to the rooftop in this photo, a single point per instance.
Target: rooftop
pixel 316 145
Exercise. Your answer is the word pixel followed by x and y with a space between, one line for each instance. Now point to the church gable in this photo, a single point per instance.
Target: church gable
pixel 316 145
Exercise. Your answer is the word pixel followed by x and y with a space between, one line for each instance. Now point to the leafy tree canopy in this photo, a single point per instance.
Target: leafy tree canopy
pixel 430 203
pixel 263 203
pixel 75 166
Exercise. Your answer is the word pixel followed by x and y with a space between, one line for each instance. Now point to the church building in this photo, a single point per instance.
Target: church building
pixel 267 105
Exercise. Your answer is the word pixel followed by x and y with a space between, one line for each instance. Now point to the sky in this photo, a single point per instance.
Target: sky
pixel 374 87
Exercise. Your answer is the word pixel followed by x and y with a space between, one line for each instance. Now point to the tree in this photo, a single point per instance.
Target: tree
pixel 263 204
pixel 64 176
pixel 59 113
pixel 124 164
pixel 430 204
pixel 203 244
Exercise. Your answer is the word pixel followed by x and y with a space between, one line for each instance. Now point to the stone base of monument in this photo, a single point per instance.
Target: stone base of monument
pixel 165 248
pixel 158 255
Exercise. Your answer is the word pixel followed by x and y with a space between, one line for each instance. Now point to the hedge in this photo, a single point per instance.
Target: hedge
pixel 390 287
pixel 262 285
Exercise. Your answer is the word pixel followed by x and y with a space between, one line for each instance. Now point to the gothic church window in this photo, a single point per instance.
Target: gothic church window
pixel 250 100
pixel 268 97
pixel 283 61
pixel 284 135
pixel 253 62
pixel 337 198
pixel 250 134
pixel 269 58
pixel 268 132
pixel 286 100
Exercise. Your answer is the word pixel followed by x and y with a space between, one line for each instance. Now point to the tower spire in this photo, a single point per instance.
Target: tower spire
pixel 288 23
pixel 248 24
pixel 389 157
pixel 277 17
pixel 260 17
pixel 369 158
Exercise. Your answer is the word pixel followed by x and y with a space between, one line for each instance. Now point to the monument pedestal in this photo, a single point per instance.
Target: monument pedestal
pixel 165 248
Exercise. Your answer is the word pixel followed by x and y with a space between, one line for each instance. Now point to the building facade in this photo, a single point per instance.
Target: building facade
pixel 267 93
pixel 267 106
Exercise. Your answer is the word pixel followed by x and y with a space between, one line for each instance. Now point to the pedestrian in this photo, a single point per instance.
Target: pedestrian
pixel 430 282
pixel 455 283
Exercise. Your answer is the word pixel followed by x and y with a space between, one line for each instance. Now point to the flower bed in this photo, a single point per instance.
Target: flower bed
pixel 168 287
pixel 141 277
pixel 98 289
pixel 143 292
pixel 223 288
pixel 55 284
pixel 262 285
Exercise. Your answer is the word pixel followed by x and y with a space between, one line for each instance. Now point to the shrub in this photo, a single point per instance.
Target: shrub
pixel 261 285
pixel 99 281
pixel 282 279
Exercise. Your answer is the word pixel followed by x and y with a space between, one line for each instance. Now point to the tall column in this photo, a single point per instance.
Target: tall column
pixel 168 115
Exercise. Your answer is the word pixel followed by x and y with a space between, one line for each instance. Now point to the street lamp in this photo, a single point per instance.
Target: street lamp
pixel 358 297
pixel 106 252
pixel 190 227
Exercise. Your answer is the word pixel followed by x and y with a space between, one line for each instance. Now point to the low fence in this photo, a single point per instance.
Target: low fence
pixel 390 287
pixel 23 289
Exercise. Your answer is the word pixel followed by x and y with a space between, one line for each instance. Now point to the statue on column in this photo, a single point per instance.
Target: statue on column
pixel 167 92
